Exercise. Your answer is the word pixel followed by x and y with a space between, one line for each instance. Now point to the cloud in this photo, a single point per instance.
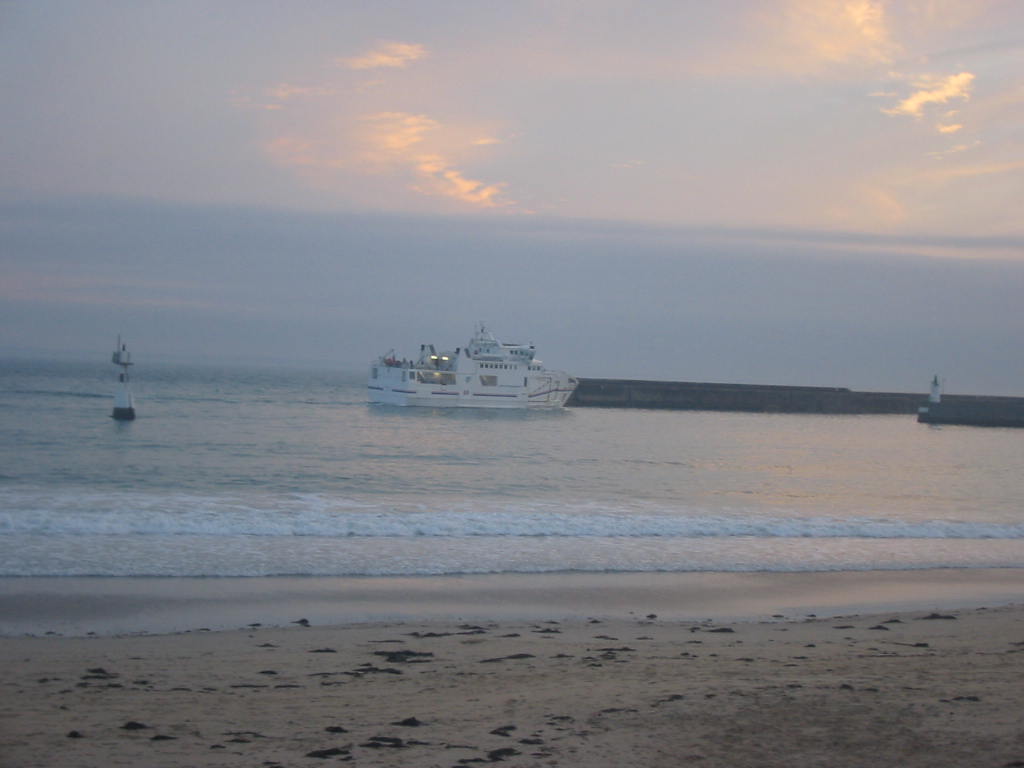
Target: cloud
pixel 396 132
pixel 949 128
pixel 101 291
pixel 801 37
pixel 866 204
pixel 394 55
pixel 241 101
pixel 292 151
pixel 285 91
pixel 395 138
pixel 273 98
pixel 973 171
pixel 409 147
pixel 839 31
pixel 450 182
pixel 934 92
pixel 955 149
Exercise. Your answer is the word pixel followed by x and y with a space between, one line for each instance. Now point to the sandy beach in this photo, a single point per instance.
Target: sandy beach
pixel 911 687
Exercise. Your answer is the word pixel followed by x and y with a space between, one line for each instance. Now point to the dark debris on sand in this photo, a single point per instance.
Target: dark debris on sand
pixel 343 753
pixel 404 657
pixel 410 722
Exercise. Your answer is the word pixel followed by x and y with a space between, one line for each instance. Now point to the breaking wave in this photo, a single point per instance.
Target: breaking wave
pixel 312 515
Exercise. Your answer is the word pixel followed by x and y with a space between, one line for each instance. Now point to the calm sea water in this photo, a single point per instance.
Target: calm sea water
pixel 242 472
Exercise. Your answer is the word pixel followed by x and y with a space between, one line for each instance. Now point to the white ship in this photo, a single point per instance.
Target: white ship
pixel 484 374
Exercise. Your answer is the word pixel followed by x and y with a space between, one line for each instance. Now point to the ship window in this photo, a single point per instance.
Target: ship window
pixel 489 381
pixel 435 377
pixel 374 373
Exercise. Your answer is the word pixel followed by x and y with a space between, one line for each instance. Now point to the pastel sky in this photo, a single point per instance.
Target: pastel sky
pixel 867 132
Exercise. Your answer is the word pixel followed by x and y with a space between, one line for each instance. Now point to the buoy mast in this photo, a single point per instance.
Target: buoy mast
pixel 124 404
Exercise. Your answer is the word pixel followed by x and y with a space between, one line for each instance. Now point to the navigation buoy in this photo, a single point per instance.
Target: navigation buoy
pixel 124 404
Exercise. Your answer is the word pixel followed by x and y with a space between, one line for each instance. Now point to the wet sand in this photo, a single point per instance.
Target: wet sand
pixel 77 606
pixel 915 687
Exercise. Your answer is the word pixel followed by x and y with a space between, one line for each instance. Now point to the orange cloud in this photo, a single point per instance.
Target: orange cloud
pixel 394 55
pixel 838 31
pixel 934 92
pixel 954 150
pixel 402 145
pixel 803 37
pixel 450 182
pixel 949 128
pixel 409 148
pixel 394 140
pixel 396 132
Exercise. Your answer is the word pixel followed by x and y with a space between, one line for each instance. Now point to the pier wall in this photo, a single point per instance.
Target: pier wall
pixel 758 398
pixel 977 410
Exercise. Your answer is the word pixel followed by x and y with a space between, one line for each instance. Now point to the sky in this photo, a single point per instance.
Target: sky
pixel 816 192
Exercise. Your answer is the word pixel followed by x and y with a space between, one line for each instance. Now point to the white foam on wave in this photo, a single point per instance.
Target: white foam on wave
pixel 144 556
pixel 40 512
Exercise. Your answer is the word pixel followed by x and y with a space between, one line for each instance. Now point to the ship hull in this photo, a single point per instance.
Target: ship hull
pixel 548 394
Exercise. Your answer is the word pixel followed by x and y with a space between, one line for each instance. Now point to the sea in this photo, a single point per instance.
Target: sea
pixel 234 471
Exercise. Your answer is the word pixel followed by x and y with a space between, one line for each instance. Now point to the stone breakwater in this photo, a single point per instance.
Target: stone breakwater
pixel 762 398
pixel 975 411
pixel 757 398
